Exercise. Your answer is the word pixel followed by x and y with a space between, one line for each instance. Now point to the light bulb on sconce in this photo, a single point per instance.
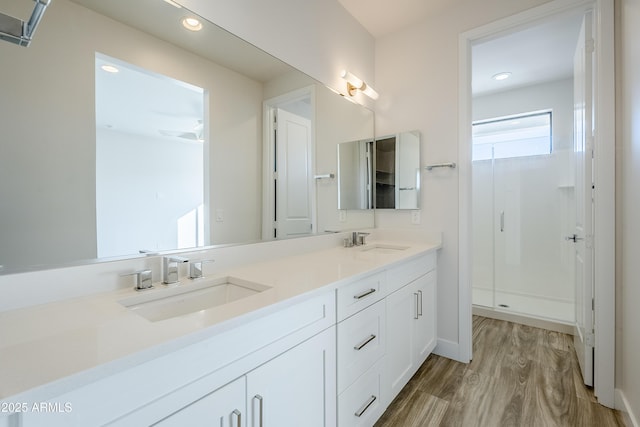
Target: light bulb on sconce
pixel 354 84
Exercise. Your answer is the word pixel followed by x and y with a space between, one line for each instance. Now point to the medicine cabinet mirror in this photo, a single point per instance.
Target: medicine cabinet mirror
pixel 397 171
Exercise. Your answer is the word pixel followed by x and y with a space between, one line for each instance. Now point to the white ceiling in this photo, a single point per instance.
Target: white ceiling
pixel 537 54
pixel 382 17
pixel 534 55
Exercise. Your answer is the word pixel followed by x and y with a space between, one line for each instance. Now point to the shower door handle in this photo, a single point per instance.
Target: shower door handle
pixel 502 222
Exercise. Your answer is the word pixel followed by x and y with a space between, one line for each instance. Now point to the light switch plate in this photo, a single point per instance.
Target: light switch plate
pixel 415 217
pixel 342 215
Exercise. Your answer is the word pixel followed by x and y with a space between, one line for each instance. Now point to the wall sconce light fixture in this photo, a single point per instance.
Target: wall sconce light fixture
pixel 354 84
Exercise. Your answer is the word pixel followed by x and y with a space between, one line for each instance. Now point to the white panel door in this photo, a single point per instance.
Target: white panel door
pixel 583 234
pixel 294 175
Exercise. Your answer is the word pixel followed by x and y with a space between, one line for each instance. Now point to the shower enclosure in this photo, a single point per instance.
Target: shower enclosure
pixel 523 208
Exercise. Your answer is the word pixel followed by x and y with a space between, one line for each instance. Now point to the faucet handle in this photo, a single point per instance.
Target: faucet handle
pixel 143 279
pixel 360 238
pixel 195 268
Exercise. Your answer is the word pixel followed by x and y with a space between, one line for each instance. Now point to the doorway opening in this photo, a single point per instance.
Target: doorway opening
pixel 593 147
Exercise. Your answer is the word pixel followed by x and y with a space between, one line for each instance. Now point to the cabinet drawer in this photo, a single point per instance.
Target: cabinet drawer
pixel 360 294
pixel 361 342
pixel 409 271
pixel 360 404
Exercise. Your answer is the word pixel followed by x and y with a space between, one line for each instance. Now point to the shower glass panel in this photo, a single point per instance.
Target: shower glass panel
pixel 521 213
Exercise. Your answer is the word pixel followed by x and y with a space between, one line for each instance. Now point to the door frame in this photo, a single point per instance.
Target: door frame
pixel 604 172
pixel 269 107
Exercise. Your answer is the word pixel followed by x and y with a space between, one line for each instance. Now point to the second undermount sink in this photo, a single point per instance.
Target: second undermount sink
pixel 383 248
pixel 188 298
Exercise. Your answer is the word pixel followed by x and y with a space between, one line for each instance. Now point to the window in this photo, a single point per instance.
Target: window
pixel 515 136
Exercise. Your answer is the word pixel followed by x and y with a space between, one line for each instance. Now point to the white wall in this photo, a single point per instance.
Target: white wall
pixel 628 204
pixel 417 78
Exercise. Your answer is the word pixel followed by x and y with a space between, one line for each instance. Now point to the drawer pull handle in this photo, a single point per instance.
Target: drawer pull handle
pixel 420 305
pixel 365 342
pixel 364 294
pixel 238 415
pixel 364 407
pixel 415 294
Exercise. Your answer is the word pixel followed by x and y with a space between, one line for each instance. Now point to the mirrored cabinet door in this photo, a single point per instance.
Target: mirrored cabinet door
pixel 397 173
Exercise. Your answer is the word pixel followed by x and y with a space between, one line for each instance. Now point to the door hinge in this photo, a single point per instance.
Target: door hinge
pixel 275 175
pixel 590 339
pixel 593 304
pixel 590 45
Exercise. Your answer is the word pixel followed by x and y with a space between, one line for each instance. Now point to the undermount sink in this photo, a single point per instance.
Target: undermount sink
pixel 382 248
pixel 188 298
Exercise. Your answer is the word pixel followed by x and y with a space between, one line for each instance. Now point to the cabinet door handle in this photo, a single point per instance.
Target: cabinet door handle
pixel 238 415
pixel 364 294
pixel 260 401
pixel 364 407
pixel 415 294
pixel 365 342
pixel 420 303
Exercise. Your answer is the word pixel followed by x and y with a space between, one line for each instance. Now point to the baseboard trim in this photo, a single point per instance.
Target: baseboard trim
pixel 550 325
pixel 448 349
pixel 622 404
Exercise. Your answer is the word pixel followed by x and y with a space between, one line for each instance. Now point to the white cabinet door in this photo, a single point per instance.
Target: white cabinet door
pixel 424 332
pixel 402 312
pixel 297 388
pixel 411 332
pixel 225 407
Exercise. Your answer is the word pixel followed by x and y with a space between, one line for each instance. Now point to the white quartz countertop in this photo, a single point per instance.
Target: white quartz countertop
pixel 49 349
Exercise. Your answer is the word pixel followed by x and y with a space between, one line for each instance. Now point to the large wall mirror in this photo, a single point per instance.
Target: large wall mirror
pixel 125 131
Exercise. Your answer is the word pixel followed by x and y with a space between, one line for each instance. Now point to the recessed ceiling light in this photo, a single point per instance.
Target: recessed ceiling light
pixel 109 68
pixel 501 76
pixel 192 24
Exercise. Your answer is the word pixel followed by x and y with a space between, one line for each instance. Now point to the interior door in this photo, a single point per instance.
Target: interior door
pixel 583 234
pixel 294 175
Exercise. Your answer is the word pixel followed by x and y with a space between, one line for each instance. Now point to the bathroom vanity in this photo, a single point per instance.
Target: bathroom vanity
pixel 323 338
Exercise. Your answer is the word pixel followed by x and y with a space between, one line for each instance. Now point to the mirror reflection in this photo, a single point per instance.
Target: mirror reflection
pixel 55 174
pixel 398 171
pixel 355 171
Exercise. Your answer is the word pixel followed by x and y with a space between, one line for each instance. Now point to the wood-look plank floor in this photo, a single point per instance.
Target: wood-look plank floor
pixel 520 376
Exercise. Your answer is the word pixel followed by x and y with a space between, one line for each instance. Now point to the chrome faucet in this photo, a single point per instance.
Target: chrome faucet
pixel 170 269
pixel 359 238
pixel 195 268
pixel 143 279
